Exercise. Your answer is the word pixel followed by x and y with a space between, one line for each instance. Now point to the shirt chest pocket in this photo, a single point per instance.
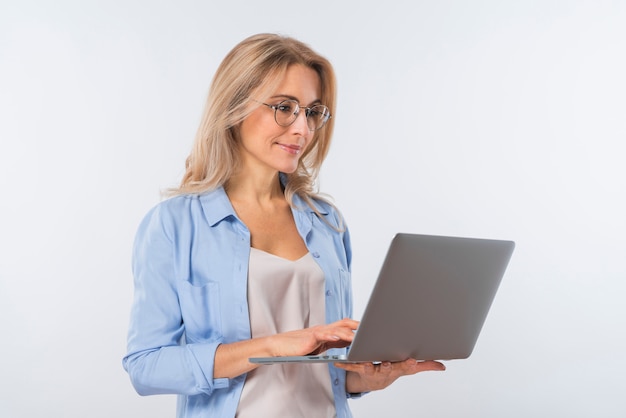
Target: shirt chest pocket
pixel 201 311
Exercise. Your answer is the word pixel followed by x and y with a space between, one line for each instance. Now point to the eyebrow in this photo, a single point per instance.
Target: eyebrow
pixel 287 96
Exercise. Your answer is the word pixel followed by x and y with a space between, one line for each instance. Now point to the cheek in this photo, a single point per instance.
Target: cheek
pixel 257 126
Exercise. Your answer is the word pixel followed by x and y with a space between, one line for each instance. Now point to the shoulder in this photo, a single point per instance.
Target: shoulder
pixel 171 209
pixel 180 211
pixel 164 217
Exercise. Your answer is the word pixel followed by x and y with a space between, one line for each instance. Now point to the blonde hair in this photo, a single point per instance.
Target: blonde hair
pixel 255 66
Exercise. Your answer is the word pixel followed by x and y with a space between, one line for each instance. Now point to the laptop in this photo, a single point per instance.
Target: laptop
pixel 430 301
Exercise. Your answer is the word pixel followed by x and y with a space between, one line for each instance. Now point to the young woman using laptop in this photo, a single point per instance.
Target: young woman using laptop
pixel 245 259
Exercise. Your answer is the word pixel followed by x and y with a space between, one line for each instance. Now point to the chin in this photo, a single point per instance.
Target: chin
pixel 287 168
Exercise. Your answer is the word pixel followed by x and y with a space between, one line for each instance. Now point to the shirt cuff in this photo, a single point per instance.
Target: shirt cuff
pixel 204 355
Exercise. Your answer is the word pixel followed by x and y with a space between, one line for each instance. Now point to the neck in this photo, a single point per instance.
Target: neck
pixel 249 188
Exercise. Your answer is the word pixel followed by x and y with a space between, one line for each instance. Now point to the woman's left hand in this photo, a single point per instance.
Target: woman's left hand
pixel 365 377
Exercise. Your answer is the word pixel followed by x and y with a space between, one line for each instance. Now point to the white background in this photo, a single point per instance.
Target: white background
pixel 495 119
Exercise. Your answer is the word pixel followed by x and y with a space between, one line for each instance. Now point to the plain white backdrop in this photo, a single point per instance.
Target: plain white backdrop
pixel 494 119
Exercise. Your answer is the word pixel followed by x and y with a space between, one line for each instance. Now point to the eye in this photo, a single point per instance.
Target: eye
pixel 287 107
pixel 318 112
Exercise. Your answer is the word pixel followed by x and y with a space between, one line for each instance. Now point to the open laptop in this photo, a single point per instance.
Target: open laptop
pixel 429 302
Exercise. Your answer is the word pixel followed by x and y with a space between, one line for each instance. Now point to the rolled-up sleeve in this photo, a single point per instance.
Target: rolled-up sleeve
pixel 158 361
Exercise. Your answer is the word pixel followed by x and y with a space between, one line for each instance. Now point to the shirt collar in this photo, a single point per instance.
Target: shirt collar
pixel 216 206
pixel 300 204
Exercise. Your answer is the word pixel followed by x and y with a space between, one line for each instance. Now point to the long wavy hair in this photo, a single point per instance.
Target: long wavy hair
pixel 254 68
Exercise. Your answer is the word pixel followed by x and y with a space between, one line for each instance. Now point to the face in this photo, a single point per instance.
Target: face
pixel 268 147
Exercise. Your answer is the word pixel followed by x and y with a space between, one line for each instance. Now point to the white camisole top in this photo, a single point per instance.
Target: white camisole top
pixel 285 295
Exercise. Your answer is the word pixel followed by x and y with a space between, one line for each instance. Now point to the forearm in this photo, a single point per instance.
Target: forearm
pixel 231 359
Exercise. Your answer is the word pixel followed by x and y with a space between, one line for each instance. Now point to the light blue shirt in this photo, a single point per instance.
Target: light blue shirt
pixel 190 264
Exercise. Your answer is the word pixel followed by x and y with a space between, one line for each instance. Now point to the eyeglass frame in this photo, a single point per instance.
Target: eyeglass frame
pixel 299 107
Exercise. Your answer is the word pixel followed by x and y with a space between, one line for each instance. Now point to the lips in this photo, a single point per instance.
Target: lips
pixel 291 149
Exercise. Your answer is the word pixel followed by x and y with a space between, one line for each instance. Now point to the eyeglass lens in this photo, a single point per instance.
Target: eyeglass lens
pixel 287 111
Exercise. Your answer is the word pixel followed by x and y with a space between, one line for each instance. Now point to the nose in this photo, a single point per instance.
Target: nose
pixel 301 124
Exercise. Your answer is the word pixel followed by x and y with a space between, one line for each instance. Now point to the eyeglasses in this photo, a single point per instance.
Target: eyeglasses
pixel 287 111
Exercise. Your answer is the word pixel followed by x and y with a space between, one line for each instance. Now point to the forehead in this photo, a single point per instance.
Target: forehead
pixel 299 82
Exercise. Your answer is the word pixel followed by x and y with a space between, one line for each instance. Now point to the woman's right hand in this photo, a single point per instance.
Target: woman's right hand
pixel 232 359
pixel 314 340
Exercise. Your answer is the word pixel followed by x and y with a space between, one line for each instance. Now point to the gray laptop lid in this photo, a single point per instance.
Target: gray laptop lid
pixel 429 302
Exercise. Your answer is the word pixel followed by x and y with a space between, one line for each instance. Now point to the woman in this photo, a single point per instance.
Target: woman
pixel 246 260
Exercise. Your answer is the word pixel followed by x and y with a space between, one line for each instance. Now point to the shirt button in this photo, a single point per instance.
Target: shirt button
pixel 315 254
pixel 329 293
pixel 336 382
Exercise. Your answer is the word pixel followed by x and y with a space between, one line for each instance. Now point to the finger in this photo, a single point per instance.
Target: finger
pixel 340 330
pixel 350 367
pixel 352 323
pixel 385 367
pixel 361 368
pixel 334 333
pixel 406 367
pixel 429 365
pixel 415 366
pixel 347 322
